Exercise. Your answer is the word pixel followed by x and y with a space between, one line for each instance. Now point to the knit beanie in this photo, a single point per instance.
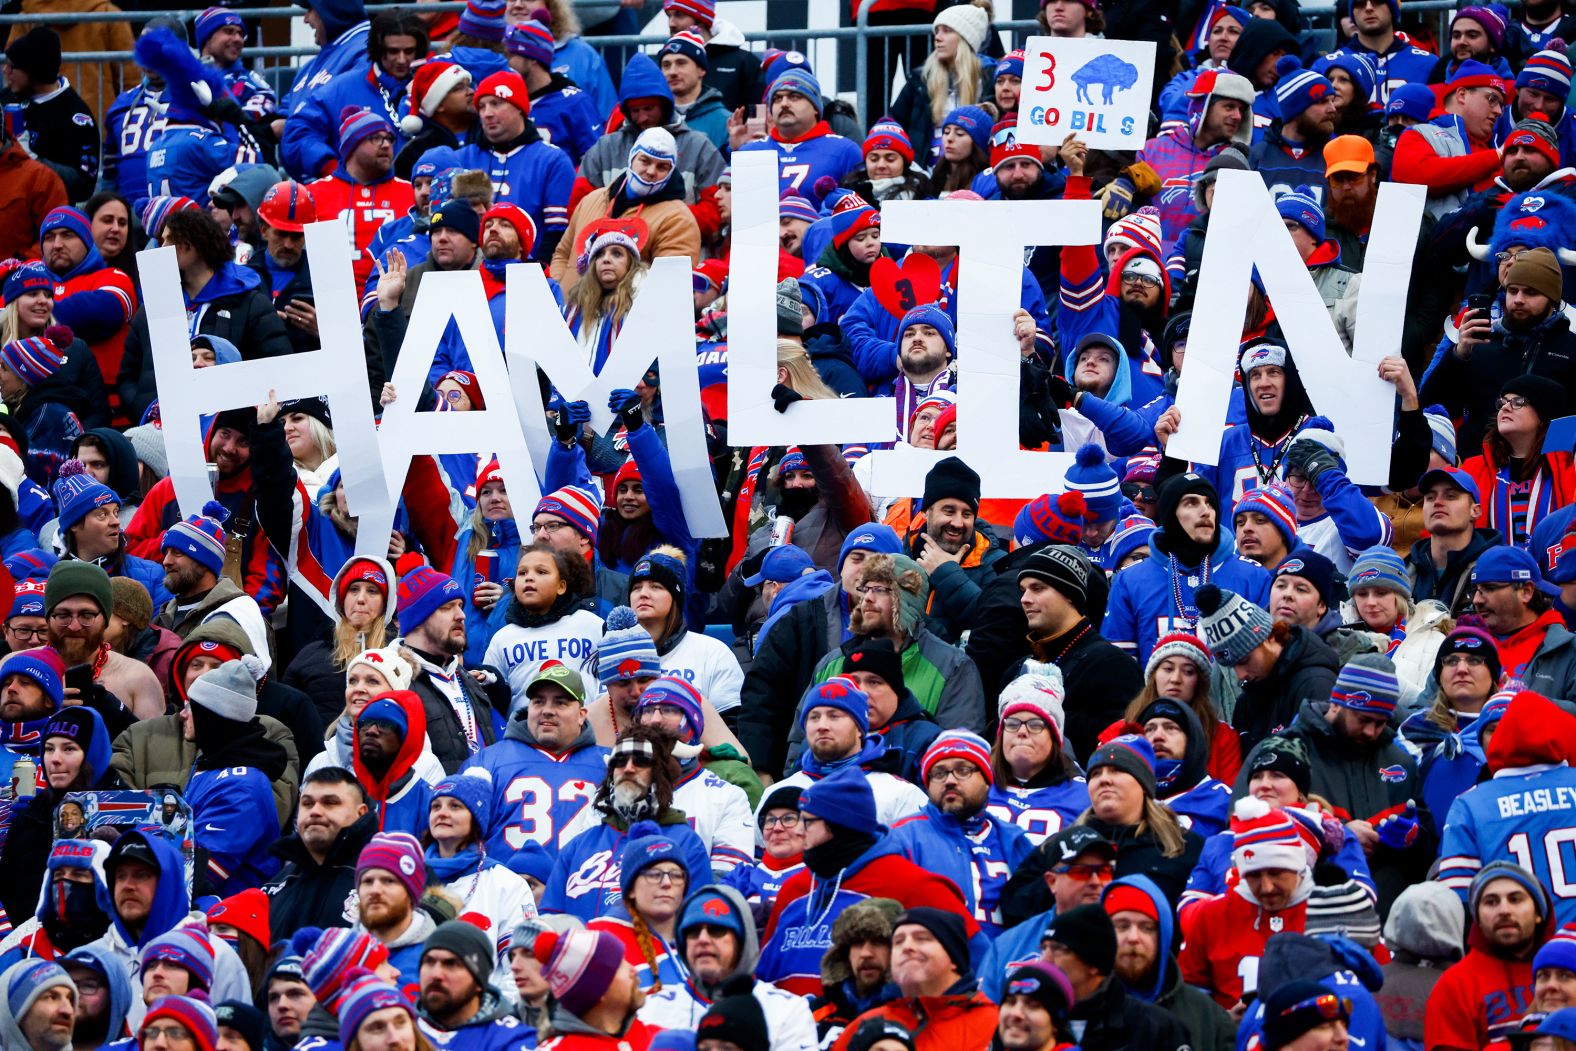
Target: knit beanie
pixel 1064 569
pixel 646 845
pixel 1295 1009
pixel 1442 430
pixel 627 650
pixel 24 982
pixel 1416 101
pixel 1284 755
pixel 946 927
pixel 1130 753
pixel 1045 984
pixel 974 122
pixel 1178 644
pixel 421 592
pixel 188 1011
pixel 1087 933
pixel 1233 627
pixel 454 215
pixel 466 941
pixel 365 994
pixel 1140 229
pixel 1298 88
pixel 838 692
pixel 1093 477
pixel 247 912
pixel 130 601
pixel 1558 951
pixel 212 20
pixel 28 601
pixel 66 218
pixel 881 659
pixel 1492 21
pixel 578 966
pixel 1265 837
pixel 687 44
pixel 702 11
pixel 474 792
pixel 200 537
pixel 1056 518
pixel 1507 870
pixel 1380 567
pixel 387 662
pixel 657 144
pixel 576 505
pixel 852 216
pixel 1536 269
pixel 36 53
pixel 483 19
pixel 1368 684
pixel 43 665
pixel 1536 133
pixel 187 947
pixel 230 690
pixel 1039 690
pixel 1473 641
pixel 844 799
pixel 1303 208
pixel 1548 70
pixel 798 81
pixel 1474 74
pixel 333 956
pixel 969 22
pixel 957 744
pixel 875 537
pixel 738 1019
pixel 78 494
pixel 888 134
pixel 952 479
pixel 937 318
pixel 399 854
pixel 1274 502
pixel 355 126
pixel 34 359
pixel 675 690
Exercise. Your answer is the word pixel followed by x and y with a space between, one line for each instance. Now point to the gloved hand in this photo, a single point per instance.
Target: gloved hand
pixel 1311 458
pixel 1397 826
pixel 1116 198
pixel 1062 392
pixel 784 396
pixel 1039 421
pixel 1146 181
pixel 625 404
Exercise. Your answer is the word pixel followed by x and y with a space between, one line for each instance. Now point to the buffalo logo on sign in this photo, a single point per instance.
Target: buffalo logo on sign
pixel 1107 72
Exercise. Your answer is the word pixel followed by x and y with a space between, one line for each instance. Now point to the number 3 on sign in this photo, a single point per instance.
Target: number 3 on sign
pixel 1049 72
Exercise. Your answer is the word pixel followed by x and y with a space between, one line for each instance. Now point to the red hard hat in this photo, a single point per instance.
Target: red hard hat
pixel 287 206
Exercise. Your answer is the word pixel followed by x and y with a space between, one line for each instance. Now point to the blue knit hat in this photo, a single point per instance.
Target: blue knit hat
pixel 365 994
pixel 627 650
pixel 688 44
pixel 800 81
pixel 1548 71
pixel 33 359
pixel 24 982
pixel 875 537
pixel 212 20
pixel 473 792
pixel 1313 567
pixel 355 125
pixel 674 690
pixel 1276 503
pixel 531 860
pixel 1359 67
pixel 1558 951
pixel 1302 208
pixel 1367 683
pixel 647 845
pixel 1131 533
pixel 187 947
pixel 1411 100
pixel 1380 567
pixel 32 276
pixel 975 122
pixel 1093 477
pixel 384 709
pixel 838 692
pixel 1494 870
pixel 78 494
pixel 1056 518
pixel 1130 753
pixel 531 40
pixel 575 505
pixel 666 570
pixel 938 319
pixel 793 206
pixel 43 665
pixel 1012 65
pixel 421 592
pixel 200 537
pixel 1298 88
pixel 67 218
pixel 844 799
pixel 483 18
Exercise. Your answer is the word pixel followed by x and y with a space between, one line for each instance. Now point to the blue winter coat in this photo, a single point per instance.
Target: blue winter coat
pixel 310 144
pixel 585 878
pixel 171 901
pixel 533 174
pixel 234 813
pixel 582 63
pixel 978 855
pixel 349 28
pixel 407 235
pixel 567 117
pixel 1014 947
pixel 481 627
pixel 185 158
pixel 1142 607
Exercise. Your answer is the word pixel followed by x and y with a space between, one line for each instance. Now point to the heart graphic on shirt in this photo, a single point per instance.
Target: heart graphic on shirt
pixel 902 288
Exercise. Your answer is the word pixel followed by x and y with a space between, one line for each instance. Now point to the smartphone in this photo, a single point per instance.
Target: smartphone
pixel 79 677
pixel 1480 301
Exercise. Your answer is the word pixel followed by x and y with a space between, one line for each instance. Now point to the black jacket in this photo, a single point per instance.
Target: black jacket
pixel 313 673
pixel 298 287
pixel 443 726
pixel 82 388
pixel 64 135
pixel 736 73
pixel 1305 672
pixel 1027 893
pixel 783 669
pixel 1116 1020
pixel 295 710
pixel 307 894
pixel 1451 585
pixel 911 109
pixel 1100 680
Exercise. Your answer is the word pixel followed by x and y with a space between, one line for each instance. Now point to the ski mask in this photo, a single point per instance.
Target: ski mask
pixel 657 144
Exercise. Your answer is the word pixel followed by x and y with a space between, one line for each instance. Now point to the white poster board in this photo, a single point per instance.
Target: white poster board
pixel 1346 389
pixel 1097 89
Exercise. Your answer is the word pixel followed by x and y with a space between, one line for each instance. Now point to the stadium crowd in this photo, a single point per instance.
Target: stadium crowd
pixel 1176 756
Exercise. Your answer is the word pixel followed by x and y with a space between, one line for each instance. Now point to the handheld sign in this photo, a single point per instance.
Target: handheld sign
pixel 1096 89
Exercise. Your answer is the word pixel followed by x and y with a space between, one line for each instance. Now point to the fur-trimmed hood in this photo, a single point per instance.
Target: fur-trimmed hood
pixel 869 920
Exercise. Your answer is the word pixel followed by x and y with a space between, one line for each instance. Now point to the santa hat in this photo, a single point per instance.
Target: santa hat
pixel 430 84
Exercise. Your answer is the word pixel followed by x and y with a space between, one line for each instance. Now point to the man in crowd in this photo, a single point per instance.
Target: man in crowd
pixel 390 877
pixel 1441 563
pixel 457 996
pixel 40 1006
pixel 796 130
pixel 1219 115
pixel 363 191
pixel 332 825
pixel 194 551
pixel 282 216
pixel 1454 153
pixel 459 714
pixel 57 127
pixel 1083 947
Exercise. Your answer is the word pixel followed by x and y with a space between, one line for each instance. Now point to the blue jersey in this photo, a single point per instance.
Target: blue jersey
pixel 801 164
pixel 250 91
pixel 1208 878
pixel 344 52
pixel 1525 818
pixel 535 176
pixel 500 1032
pixel 585 877
pixel 235 822
pixel 978 856
pixel 1143 603
pixel 1402 63
pixel 536 794
pixel 1040 812
pixel 567 118
pixel 1205 808
pixel 185 159
pixel 398 235
pixel 129 127
pixel 406 810
pixel 759 883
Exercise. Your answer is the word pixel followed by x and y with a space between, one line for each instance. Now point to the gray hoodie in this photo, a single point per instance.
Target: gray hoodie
pixel 1427 932
pixel 22 984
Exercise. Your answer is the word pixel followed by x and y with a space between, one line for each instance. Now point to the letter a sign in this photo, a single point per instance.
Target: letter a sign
pixel 1095 89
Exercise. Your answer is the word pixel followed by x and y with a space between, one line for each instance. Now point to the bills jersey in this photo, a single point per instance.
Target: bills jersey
pixel 363 209
pixel 1040 812
pixel 801 164
pixel 719 812
pixel 536 794
pixel 1526 817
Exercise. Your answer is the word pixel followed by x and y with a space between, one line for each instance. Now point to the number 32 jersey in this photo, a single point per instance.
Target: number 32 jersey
pixel 537 793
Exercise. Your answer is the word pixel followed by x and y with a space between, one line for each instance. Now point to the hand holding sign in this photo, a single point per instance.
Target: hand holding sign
pixel 1097 89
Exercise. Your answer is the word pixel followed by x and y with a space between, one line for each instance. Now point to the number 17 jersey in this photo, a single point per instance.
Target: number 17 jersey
pixel 537 793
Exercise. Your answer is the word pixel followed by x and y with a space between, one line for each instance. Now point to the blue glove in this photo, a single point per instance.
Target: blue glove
pixel 625 404
pixel 1397 826
pixel 579 412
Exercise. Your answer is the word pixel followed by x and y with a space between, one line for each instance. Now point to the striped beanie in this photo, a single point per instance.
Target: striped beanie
pixel 1178 644
pixel 1276 503
pixel 212 20
pixel 338 950
pixel 1052 518
pixel 421 592
pixel 578 965
pixel 355 125
pixel 1344 910
pixel 579 507
pixel 187 947
pixel 1140 229
pixel 1267 838
pixel 672 689
pixel 1131 533
pixel 1368 684
pixel 28 599
pixel 688 44
pixel 366 993
pixel 1093 477
pixel 188 1011
pixel 800 81
pixel 67 218
pixel 1298 89
pixel 530 40
pixel 1443 430
pixel 1012 65
pixel 1039 690
pixel 23 983
pixel 200 537
pixel 957 744
pixel 31 276
pixel 1548 71
pixel 793 206
pixel 483 18
pixel 34 359
pixel 852 216
pixel 159 209
pixel 1233 626
pixel 888 134
pixel 702 11
pixel 399 854
pixel 627 650
pixel 1380 567
pixel 1558 951
pixel 1130 753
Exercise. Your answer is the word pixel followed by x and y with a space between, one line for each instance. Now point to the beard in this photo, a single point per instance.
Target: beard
pixel 379 917
pixel 1351 213
pixel 76 650
pixel 633 802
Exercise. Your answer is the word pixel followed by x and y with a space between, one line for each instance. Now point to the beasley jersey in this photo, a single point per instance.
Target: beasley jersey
pixel 1526 818
pixel 536 794
pixel 538 177
pixel 1040 812
pixel 130 126
pixel 363 209
pixel 234 822
pixel 801 164
pixel 719 812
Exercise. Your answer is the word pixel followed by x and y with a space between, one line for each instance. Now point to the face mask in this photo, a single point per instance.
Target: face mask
pixel 74 917
pixel 796 503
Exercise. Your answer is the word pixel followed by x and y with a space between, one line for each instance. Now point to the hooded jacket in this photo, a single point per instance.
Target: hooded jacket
pixel 1251 456
pixel 1450 584
pixel 537 793
pixel 671 229
pixel 585 877
pixel 680 1006
pixel 1202 802
pixel 115 978
pixel 1362 784
pixel 401 797
pixel 1339 964
pixel 976 853
pixel 345 29
pixel 1176 158
pixel 1424 933
pixel 306 893
pixel 1305 671
pixel 1222 934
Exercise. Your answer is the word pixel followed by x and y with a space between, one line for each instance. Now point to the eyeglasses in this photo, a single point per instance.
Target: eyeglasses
pixel 380 138
pixel 453 396
pixel 786 821
pixel 711 930
pixel 1130 278
pixel 548 528
pixel 1510 401
pixel 1034 726
pixel 1328 1006
pixel 1510 257
pixel 657 877
pixel 959 772
pixel 1489 589
pixel 1471 660
pixel 1085 873
pixel 24 634
pixel 878 590
pixel 667 711
pixel 639 760
pixel 175 1034
pixel 83 617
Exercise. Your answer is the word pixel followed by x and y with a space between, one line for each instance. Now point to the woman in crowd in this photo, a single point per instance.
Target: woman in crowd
pixel 29 311
pixel 1389 622
pixel 1037 784
pixel 1180 667
pixel 364 607
pixel 658 588
pixel 371 674
pixel 654 882
pixel 550 615
pixel 952 76
pixel 889 172
pixel 965 149
pixel 611 272
pixel 1448 735
pixel 782 832
pixel 109 214
pixel 40 409
pixel 309 433
pixel 486 549
pixel 1354 80
pixel 1521 484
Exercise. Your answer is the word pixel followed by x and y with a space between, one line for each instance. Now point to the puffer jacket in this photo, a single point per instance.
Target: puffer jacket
pixel 959 1018
pixel 1305 671
pixel 1426 627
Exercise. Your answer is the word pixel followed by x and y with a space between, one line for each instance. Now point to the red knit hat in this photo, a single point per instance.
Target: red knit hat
pixel 1124 897
pixel 467 382
pixel 1533 730
pixel 508 85
pixel 247 912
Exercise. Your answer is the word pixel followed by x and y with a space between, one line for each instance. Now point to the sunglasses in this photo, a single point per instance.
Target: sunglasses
pixel 1085 873
pixel 638 760
pixel 1328 1006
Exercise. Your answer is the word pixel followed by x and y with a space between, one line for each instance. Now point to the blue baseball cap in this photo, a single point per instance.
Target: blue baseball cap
pixel 781 564
pixel 1561 1024
pixel 1454 476
pixel 1510 565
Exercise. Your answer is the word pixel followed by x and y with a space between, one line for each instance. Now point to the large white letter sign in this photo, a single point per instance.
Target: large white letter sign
pixel 337 370
pixel 660 325
pixel 1346 389
pixel 991 237
pixel 752 333
pixel 496 429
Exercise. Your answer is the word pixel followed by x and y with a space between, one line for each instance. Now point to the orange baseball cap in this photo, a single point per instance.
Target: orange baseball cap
pixel 1348 153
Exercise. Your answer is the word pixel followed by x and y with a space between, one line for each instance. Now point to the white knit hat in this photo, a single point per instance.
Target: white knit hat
pixel 388 663
pixel 969 22
pixel 1038 689
pixel 230 690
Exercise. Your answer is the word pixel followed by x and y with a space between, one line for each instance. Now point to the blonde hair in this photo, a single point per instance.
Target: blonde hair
pixel 566 20
pixel 593 303
pixel 350 640
pixel 1156 820
pixel 321 436
pixel 8 322
pixel 958 84
pixel 802 376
